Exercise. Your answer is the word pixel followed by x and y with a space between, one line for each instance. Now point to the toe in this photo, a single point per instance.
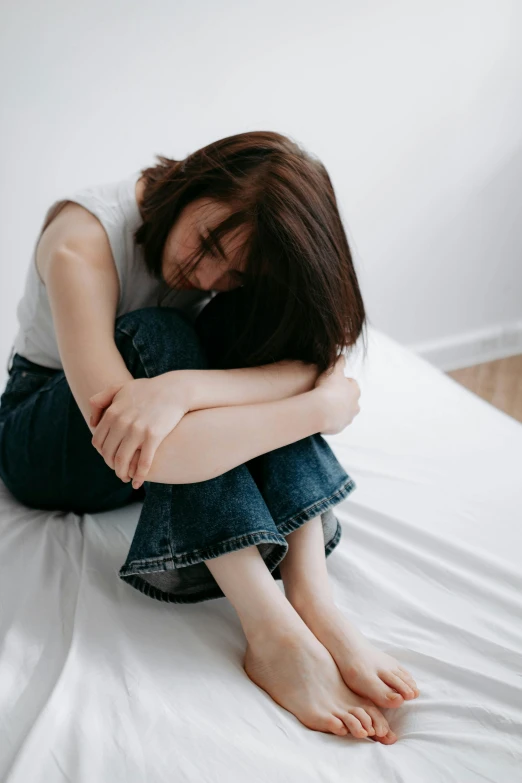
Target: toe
pixel 382 695
pixel 365 719
pixel 394 681
pixel 369 686
pixel 335 726
pixel 353 724
pixel 388 739
pixel 380 723
pixel 406 676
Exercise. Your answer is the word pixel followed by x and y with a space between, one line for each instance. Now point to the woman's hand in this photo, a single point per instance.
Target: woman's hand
pixel 132 419
pixel 341 395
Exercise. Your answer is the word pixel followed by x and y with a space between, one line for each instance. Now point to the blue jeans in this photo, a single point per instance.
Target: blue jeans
pixel 47 461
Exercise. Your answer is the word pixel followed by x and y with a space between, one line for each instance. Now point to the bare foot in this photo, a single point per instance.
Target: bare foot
pixel 294 668
pixel 368 671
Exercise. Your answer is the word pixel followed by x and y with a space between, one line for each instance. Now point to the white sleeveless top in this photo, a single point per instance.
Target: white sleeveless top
pixel 115 206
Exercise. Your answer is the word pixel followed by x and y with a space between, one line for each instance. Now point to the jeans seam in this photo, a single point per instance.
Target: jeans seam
pixel 319 505
pixel 187 558
pixel 151 591
pixel 132 576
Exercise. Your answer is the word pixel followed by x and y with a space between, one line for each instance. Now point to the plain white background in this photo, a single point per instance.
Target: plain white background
pixel 414 107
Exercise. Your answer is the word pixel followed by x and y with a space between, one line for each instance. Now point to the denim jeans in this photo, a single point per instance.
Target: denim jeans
pixel 47 461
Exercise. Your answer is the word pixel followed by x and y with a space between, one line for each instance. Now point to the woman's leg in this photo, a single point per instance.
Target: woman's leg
pixel 281 476
pixel 285 659
pixel 286 478
pixel 365 669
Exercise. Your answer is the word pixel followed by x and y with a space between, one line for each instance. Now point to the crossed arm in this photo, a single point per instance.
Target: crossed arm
pixel 247 385
pixel 259 409
pixel 236 415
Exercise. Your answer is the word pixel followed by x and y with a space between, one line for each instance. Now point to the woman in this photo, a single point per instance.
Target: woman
pixel 208 409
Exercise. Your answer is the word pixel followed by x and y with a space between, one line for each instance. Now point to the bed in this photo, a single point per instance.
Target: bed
pixel 100 683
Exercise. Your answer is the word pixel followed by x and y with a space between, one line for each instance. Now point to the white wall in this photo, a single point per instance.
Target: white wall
pixel 414 107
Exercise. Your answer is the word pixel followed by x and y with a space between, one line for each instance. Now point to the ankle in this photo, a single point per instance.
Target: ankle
pixel 281 622
pixel 309 602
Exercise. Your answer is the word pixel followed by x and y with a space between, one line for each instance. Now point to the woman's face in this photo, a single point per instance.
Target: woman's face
pixel 215 272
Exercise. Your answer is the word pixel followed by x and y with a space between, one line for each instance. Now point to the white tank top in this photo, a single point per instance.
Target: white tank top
pixel 115 206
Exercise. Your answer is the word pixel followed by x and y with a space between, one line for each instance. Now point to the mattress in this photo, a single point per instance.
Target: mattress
pixel 101 683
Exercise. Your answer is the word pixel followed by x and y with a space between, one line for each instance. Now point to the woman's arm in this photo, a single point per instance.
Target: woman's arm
pixel 82 285
pixel 246 385
pixel 207 443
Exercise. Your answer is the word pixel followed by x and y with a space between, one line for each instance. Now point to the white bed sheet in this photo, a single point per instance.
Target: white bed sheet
pixel 99 683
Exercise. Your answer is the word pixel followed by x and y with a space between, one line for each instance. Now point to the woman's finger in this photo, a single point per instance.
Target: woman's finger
pixel 134 464
pixel 130 442
pixel 100 433
pixel 96 414
pixel 103 398
pixel 116 431
pixel 100 401
pixel 148 450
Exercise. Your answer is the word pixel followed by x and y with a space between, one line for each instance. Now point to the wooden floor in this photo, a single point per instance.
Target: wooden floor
pixel 498 382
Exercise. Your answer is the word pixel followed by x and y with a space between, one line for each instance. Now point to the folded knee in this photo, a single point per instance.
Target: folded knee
pixel 163 337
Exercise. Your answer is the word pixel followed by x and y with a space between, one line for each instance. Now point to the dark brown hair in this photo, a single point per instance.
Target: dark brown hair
pixel 299 272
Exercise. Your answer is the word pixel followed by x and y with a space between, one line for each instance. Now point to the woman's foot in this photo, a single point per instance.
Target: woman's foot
pixel 294 668
pixel 368 671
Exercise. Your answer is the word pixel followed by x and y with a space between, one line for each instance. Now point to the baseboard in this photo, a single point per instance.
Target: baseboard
pixel 464 350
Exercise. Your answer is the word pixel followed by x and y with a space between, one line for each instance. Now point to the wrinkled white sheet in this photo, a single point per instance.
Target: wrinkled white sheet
pixel 99 683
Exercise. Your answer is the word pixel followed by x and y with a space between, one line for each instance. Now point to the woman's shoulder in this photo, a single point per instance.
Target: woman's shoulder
pixel 68 225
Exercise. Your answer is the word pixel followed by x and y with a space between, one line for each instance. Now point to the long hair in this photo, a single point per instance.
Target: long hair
pixel 300 279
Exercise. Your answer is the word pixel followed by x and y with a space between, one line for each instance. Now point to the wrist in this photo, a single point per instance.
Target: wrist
pixel 300 377
pixel 308 373
pixel 186 389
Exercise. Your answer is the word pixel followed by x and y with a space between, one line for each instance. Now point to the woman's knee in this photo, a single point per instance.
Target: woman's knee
pixel 154 340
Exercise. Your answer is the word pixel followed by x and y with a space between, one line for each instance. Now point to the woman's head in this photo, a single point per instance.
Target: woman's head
pixel 220 268
pixel 254 210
